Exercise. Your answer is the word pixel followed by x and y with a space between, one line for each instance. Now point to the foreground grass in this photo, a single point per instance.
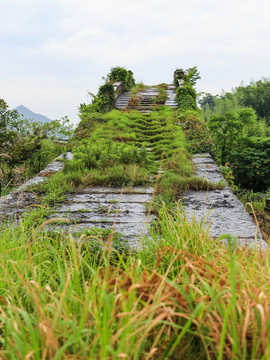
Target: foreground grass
pixel 180 297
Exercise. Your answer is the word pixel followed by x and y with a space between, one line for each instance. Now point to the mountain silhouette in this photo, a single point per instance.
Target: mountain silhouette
pixel 30 115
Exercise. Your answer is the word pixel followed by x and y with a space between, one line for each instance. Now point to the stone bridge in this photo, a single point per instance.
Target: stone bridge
pixel 123 209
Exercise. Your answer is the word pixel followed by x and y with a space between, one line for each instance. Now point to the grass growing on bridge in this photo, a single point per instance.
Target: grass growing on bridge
pixel 181 297
pixel 127 149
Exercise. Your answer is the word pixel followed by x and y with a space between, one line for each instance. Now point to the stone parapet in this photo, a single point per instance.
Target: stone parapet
pixel 220 210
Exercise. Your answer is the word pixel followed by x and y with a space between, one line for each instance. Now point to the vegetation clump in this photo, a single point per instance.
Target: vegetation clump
pixel 105 99
pixel 185 92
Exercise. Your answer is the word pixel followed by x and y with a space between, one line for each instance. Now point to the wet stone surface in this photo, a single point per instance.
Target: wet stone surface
pixel 220 209
pixel 121 210
pixel 21 200
pixel 15 204
pixel 124 211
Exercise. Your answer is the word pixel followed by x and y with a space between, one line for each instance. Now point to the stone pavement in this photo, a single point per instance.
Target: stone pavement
pixel 120 209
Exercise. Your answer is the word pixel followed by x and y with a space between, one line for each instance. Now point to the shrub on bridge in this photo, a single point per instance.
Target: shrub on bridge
pixel 121 74
pixel 186 98
pixel 105 99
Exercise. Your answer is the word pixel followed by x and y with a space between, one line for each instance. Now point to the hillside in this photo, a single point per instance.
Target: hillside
pixel 30 115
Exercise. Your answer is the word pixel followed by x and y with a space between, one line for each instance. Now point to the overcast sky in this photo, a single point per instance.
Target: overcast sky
pixel 52 52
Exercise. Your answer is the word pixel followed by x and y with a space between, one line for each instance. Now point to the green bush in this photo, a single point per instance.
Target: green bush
pixel 251 166
pixel 121 74
pixel 105 99
pixel 186 98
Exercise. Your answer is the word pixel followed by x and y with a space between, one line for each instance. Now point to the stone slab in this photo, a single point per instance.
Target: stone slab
pixel 109 198
pixel 19 200
pixel 220 210
pixel 104 207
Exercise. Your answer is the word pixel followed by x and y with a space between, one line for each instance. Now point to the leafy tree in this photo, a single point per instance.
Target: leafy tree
pixel 257 96
pixel 251 165
pixel 10 125
pixel 228 131
pixel 232 133
pixel 219 105
pixel 208 99
pixel 23 141
pixel 189 76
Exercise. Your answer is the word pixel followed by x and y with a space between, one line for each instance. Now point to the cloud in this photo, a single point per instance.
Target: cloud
pixel 56 50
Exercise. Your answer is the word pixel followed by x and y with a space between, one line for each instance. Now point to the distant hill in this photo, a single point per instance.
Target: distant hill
pixel 30 115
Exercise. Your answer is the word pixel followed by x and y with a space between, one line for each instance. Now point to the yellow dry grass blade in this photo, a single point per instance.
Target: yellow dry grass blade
pixel 6 156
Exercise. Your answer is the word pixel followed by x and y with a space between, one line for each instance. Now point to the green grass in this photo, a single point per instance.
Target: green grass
pixel 258 200
pixel 180 297
pixel 114 153
pixel 7 189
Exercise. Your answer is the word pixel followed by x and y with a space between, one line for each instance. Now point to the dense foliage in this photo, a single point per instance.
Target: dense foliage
pixel 198 136
pixel 190 119
pixel 185 92
pixel 251 165
pixel 241 133
pixel 257 96
pixel 105 99
pixel 228 131
pixel 26 147
pixel 122 75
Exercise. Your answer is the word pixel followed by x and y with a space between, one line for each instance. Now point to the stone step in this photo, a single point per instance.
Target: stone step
pixel 145 99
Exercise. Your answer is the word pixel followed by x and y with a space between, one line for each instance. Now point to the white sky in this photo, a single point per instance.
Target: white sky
pixel 52 52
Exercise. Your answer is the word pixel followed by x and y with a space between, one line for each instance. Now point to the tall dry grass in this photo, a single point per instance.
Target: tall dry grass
pixel 180 297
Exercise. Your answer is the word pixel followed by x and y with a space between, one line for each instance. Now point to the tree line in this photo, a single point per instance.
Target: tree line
pixel 27 146
pixel 239 122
